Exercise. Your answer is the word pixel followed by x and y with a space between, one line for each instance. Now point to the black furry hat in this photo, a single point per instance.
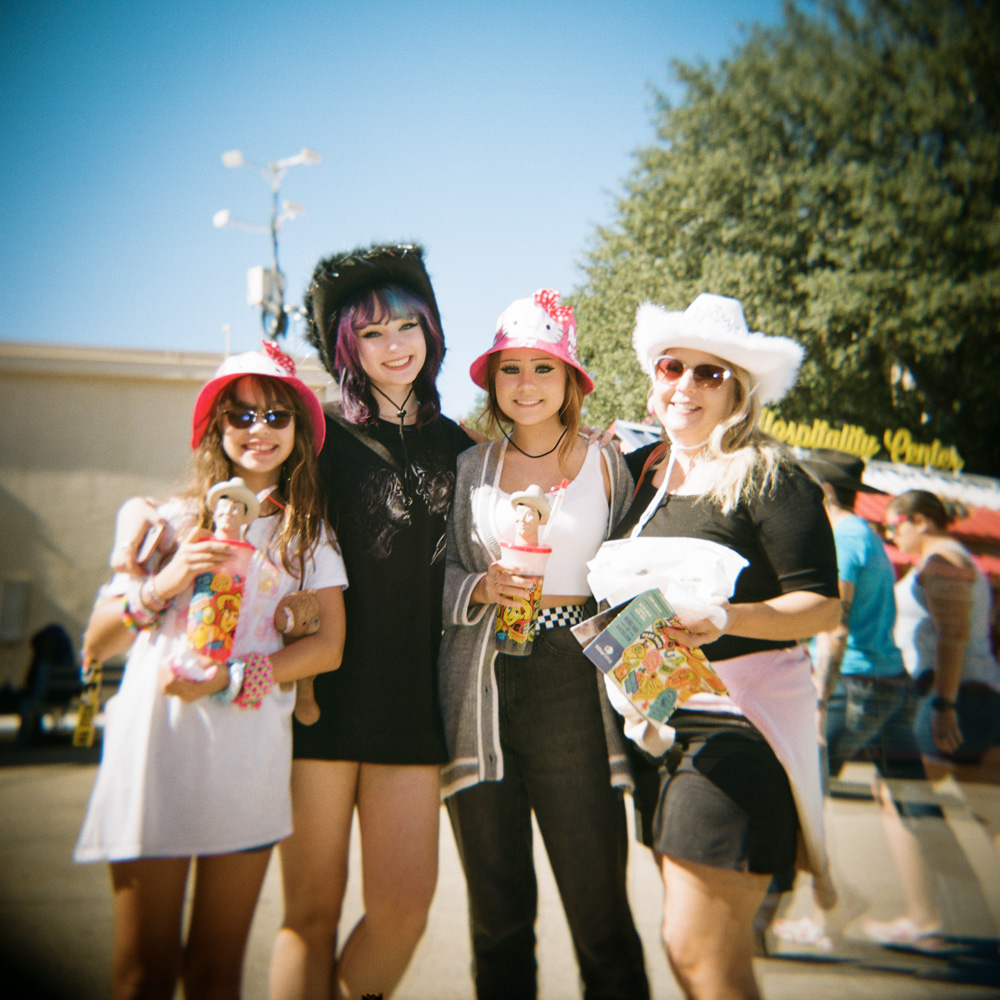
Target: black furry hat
pixel 342 277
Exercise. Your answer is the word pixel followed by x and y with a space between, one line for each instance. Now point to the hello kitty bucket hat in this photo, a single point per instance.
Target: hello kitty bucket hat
pixel 538 323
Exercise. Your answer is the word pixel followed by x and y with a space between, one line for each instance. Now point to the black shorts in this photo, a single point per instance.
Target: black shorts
pixel 719 797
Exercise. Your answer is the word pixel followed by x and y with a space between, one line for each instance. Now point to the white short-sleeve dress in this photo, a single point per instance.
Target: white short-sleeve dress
pixel 180 779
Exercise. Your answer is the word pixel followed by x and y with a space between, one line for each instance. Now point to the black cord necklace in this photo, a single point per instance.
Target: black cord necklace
pixel 400 407
pixel 401 414
pixel 544 453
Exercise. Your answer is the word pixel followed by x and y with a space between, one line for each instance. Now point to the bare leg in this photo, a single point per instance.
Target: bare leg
pixel 314 875
pixel 399 811
pixel 979 783
pixel 149 902
pixel 708 928
pixel 921 914
pixel 226 889
pixel 980 786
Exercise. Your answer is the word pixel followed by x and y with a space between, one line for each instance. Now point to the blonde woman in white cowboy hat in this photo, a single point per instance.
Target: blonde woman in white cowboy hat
pixel 534 734
pixel 727 802
pixel 194 774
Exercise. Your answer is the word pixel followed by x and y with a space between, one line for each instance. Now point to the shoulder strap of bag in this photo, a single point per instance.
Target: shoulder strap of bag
pixel 651 459
pixel 367 440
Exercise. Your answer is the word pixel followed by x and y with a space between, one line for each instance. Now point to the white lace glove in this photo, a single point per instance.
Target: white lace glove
pixel 655 739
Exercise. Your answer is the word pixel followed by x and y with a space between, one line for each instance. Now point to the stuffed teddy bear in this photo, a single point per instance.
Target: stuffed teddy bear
pixel 296 615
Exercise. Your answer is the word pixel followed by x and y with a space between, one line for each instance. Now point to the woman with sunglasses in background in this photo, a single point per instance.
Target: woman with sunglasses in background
pixel 943 629
pixel 188 780
pixel 943 619
pixel 723 806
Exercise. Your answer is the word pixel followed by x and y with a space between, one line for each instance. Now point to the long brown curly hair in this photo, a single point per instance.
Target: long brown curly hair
pixel 298 489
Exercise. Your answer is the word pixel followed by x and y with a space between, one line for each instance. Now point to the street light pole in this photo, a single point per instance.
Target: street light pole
pixel 266 288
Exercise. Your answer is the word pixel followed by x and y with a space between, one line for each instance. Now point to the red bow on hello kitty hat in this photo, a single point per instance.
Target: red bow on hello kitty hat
pixel 277 355
pixel 548 299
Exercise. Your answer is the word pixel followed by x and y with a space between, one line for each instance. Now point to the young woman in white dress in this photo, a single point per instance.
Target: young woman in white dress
pixel 187 780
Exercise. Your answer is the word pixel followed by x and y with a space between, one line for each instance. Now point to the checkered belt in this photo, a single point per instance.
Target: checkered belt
pixel 562 616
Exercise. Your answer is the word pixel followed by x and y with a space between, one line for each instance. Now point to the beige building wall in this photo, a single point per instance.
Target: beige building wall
pixel 83 429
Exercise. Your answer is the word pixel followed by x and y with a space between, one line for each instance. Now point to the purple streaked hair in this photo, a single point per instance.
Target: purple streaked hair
pixel 383 305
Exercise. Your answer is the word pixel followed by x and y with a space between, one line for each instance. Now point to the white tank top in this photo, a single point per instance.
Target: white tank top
pixel 916 636
pixel 575 530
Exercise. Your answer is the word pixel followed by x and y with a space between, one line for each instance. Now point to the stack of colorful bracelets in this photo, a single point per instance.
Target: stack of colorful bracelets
pixel 250 680
pixel 143 605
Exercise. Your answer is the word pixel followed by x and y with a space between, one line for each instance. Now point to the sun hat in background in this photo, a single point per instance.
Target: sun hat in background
pixel 838 468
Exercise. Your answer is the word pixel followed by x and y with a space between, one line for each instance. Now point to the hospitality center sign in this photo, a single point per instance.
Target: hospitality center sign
pixel 898 442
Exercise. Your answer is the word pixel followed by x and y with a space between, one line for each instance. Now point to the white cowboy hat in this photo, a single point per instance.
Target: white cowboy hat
pixel 234 489
pixel 715 324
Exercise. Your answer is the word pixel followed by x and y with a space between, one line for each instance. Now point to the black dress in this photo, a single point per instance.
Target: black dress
pixel 388 497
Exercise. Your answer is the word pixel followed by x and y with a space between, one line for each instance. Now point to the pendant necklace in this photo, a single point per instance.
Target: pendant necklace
pixel 401 414
pixel 544 453
pixel 400 407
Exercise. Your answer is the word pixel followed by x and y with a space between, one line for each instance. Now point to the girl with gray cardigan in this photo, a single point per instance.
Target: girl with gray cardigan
pixel 535 733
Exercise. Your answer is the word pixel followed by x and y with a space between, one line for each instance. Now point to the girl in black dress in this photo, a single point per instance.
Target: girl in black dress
pixel 388 469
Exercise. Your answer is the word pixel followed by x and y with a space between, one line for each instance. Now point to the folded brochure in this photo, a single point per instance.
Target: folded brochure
pixel 629 643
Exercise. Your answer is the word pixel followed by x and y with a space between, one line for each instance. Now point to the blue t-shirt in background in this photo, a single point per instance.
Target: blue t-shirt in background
pixel 862 561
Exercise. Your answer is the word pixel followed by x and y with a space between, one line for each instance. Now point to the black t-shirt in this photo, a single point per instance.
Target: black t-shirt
pixel 784 534
pixel 388 498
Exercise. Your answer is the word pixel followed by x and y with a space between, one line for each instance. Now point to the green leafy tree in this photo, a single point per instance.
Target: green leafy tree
pixel 474 420
pixel 840 175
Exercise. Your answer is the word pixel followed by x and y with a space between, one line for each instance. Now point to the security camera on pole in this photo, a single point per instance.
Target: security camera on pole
pixel 266 286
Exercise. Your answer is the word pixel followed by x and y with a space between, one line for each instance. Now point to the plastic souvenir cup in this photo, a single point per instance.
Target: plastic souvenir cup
pixel 215 605
pixel 516 627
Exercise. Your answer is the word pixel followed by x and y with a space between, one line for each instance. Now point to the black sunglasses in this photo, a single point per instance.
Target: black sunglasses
pixel 244 418
pixel 706 376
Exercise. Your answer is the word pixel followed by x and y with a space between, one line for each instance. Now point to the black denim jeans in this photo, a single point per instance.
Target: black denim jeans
pixel 556 764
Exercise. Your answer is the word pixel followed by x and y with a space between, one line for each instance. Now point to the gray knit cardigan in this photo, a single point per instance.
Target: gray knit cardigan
pixel 468 689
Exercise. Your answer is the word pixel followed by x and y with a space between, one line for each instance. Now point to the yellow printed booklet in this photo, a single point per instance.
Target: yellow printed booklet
pixel 629 643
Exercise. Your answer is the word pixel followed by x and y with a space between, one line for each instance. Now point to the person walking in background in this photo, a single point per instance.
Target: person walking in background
pixel 741 780
pixel 866 702
pixel 187 778
pixel 943 630
pixel 533 734
pixel 387 470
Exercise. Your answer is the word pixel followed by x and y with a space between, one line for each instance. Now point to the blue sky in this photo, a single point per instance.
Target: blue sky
pixel 497 135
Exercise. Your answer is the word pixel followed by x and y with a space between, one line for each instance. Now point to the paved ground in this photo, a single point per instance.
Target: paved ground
pixel 55 917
